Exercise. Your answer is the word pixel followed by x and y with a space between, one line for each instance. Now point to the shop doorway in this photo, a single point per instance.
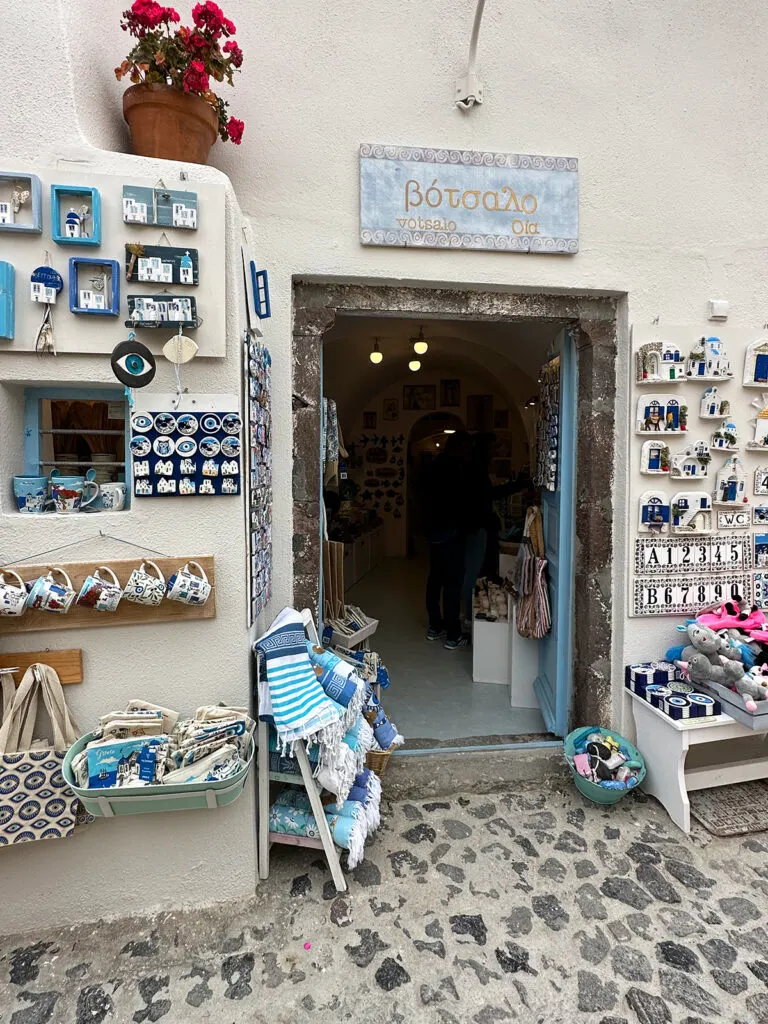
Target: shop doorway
pixel 427 438
pixel 498 358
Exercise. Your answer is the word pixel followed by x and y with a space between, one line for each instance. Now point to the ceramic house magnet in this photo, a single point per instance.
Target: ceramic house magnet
pixel 691 461
pixel 756 364
pixel 725 438
pixel 654 458
pixel 659 362
pixel 708 360
pixel 691 512
pixel 713 407
pixel 730 488
pixel 661 414
pixel 654 512
pixel 760 441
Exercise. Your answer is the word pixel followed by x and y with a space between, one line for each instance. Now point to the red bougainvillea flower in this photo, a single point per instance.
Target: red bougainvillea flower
pixel 235 130
pixel 209 16
pixel 195 78
pixel 234 51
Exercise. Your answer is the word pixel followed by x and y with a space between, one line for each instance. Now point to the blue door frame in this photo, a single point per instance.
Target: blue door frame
pixel 553 686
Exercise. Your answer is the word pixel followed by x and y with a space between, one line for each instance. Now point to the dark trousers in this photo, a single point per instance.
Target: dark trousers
pixel 446 574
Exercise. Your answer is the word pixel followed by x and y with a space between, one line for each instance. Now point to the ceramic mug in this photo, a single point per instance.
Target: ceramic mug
pixel 142 588
pixel 99 594
pixel 13 600
pixel 111 498
pixel 31 493
pixel 47 595
pixel 68 491
pixel 184 586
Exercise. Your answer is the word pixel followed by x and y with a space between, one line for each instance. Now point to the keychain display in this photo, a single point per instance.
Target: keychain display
pixel 548 428
pixel 259 364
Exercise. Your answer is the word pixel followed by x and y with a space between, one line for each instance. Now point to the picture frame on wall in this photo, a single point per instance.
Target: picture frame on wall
pixel 391 409
pixel 369 421
pixel 419 397
pixel 450 393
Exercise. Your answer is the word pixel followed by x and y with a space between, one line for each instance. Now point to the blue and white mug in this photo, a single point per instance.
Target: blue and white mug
pixel 31 493
pixel 68 491
pixel 100 594
pixel 142 588
pixel 47 595
pixel 13 600
pixel 188 588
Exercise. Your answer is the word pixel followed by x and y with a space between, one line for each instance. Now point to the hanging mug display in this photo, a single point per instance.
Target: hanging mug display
pixel 49 596
pixel 100 594
pixel 13 599
pixel 142 588
pixel 188 588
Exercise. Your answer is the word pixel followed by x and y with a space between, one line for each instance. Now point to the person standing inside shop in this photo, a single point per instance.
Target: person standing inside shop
pixel 446 522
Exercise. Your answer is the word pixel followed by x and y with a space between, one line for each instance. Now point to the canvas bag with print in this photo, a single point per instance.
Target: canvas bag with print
pixel 35 801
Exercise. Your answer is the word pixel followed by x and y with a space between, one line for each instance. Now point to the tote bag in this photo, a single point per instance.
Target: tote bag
pixel 35 801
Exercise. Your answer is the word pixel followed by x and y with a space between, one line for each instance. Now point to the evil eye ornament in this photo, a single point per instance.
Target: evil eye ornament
pixel 186 446
pixel 211 423
pixel 133 364
pixel 186 423
pixel 141 422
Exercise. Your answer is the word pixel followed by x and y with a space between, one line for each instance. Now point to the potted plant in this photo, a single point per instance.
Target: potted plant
pixel 170 108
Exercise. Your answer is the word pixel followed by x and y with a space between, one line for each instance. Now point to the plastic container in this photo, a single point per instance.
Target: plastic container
pixel 598 794
pixel 186 796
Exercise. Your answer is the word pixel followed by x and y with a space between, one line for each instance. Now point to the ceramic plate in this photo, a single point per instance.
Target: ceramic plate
pixel 209 447
pixel 164 446
pixel 141 422
pixel 186 423
pixel 231 423
pixel 186 446
pixel 165 423
pixel 230 446
pixel 140 446
pixel 211 422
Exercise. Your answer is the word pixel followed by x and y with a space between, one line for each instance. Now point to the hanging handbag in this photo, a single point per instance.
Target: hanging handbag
pixel 35 801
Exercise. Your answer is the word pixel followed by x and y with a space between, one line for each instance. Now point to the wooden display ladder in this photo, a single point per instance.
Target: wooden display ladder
pixel 267 838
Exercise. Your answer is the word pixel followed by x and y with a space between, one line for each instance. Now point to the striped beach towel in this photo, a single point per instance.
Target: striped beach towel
pixel 293 697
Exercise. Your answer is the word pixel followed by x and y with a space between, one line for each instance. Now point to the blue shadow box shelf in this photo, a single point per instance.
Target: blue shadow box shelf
pixel 87 301
pixel 9 220
pixel 73 196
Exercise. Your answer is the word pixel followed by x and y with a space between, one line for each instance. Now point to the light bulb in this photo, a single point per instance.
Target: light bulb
pixel 437 444
pixel 414 365
pixel 420 347
pixel 449 431
pixel 376 355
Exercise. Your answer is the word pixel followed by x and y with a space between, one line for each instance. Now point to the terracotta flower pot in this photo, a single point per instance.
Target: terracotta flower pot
pixel 169 124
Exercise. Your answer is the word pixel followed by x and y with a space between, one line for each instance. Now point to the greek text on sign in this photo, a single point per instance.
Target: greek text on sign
pixel 466 199
pixel 699 555
pixel 669 595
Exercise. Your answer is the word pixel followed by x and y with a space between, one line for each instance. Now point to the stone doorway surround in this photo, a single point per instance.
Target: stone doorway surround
pixel 594 320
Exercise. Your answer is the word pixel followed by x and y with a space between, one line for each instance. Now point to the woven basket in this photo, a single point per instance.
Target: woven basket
pixel 377 760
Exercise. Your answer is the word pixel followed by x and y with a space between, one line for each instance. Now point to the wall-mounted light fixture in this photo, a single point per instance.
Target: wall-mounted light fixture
pixel 376 355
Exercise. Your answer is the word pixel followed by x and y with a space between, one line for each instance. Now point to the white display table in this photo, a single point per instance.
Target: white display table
pixel 664 743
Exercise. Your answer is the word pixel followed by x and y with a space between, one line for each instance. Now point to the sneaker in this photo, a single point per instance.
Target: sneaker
pixel 435 634
pixel 455 645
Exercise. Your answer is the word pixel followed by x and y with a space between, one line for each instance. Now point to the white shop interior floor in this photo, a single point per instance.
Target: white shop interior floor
pixel 432 696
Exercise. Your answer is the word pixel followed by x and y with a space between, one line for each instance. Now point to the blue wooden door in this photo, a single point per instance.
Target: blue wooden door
pixel 553 685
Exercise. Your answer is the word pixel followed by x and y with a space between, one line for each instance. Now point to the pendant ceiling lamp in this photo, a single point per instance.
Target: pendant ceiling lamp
pixel 376 355
pixel 420 345
pixel 414 365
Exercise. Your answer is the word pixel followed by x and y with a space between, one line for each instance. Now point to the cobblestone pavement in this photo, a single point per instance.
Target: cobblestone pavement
pixel 516 907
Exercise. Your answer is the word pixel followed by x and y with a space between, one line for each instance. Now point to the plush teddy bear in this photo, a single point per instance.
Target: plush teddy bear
pixel 711 658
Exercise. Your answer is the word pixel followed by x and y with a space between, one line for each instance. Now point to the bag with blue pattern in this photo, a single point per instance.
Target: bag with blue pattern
pixel 35 801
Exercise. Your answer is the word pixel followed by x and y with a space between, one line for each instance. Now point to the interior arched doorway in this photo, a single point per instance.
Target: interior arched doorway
pixel 425 441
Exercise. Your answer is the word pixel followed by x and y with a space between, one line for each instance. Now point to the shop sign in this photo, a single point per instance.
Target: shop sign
pixel 467 199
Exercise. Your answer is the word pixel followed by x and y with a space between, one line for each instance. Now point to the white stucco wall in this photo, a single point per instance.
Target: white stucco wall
pixel 663 105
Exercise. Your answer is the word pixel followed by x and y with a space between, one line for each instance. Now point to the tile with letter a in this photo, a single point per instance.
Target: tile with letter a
pixel 692 555
pixel 676 595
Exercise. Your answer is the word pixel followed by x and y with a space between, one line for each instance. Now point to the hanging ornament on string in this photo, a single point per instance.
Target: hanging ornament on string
pixel 179 350
pixel 45 285
pixel 133 365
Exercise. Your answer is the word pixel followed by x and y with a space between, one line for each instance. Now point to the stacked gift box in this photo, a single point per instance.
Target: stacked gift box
pixel 661 683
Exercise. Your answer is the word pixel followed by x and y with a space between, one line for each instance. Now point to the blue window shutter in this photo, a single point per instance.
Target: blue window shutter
pixel 7 288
